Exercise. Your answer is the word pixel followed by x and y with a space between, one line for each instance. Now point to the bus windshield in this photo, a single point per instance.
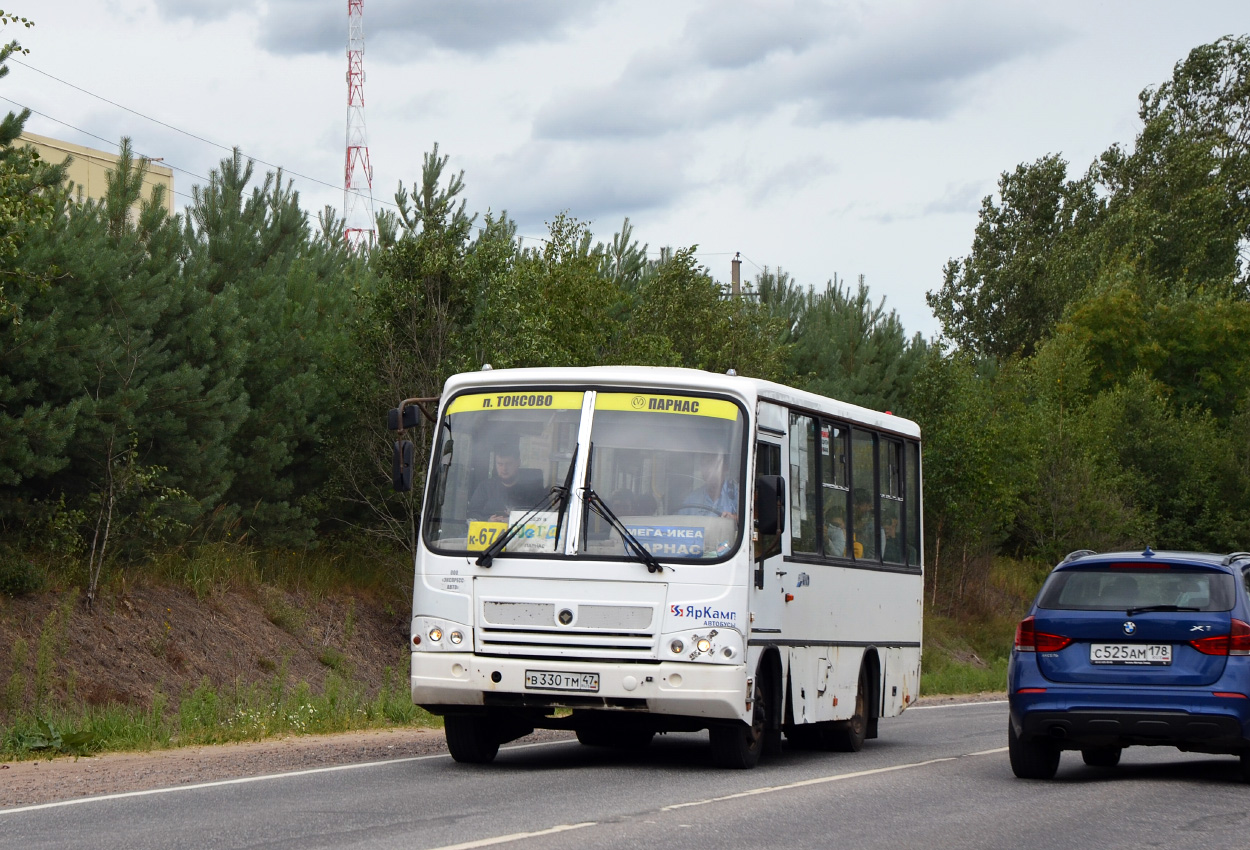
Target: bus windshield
pixel 497 456
pixel 670 467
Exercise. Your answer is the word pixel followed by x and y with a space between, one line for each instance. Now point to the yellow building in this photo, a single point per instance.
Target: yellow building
pixel 88 169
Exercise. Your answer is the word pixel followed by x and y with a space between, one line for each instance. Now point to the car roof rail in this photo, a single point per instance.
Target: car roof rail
pixel 1079 553
pixel 1235 556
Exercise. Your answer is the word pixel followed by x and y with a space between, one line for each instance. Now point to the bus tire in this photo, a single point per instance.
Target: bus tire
pixel 847 736
pixel 737 746
pixel 470 738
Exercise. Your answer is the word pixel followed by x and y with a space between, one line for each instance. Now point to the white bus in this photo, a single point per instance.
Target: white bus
pixel 625 551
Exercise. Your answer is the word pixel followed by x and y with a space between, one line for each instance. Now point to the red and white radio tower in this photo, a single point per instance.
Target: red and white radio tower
pixel 358 174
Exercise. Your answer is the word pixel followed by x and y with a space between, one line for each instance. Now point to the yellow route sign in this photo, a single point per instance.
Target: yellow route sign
pixel 528 400
pixel 681 404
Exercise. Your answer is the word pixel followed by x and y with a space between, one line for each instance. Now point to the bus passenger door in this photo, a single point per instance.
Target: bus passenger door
pixel 768 570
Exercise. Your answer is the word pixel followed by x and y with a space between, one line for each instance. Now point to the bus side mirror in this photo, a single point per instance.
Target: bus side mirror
pixel 401 466
pixel 410 418
pixel 770 504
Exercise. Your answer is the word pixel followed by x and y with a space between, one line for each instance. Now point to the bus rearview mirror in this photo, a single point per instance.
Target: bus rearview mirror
pixel 401 466
pixel 410 418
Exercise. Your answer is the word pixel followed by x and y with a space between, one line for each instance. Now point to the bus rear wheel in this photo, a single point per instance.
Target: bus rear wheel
pixel 470 739
pixel 737 746
pixel 847 736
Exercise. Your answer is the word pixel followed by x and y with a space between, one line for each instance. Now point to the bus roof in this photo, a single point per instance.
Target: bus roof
pixel 750 390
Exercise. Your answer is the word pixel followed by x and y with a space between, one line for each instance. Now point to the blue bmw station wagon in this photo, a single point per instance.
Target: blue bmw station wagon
pixel 1132 648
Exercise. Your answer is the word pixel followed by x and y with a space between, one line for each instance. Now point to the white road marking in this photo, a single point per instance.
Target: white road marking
pixel 957 705
pixel 516 836
pixel 987 752
pixel 820 780
pixel 243 780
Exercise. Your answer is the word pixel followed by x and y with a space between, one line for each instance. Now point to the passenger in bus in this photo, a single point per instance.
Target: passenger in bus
pixel 864 524
pixel 509 489
pixel 835 535
pixel 891 538
pixel 718 495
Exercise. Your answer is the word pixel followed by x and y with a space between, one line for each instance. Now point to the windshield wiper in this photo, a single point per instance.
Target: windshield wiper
pixel 1142 609
pixel 557 495
pixel 632 546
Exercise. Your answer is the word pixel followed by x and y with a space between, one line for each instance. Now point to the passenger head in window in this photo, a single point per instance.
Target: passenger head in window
pixel 506 490
pixel 621 503
pixel 835 533
pixel 718 494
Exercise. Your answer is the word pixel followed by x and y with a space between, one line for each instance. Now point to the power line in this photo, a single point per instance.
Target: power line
pixel 171 126
pixel 102 139
pixel 218 145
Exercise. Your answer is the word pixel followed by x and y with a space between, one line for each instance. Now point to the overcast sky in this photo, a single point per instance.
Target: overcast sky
pixel 825 138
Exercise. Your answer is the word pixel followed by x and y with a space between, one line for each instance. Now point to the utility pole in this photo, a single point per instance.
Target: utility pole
pixel 358 222
pixel 735 287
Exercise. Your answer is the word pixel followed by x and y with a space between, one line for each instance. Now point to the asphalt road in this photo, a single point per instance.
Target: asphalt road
pixel 936 778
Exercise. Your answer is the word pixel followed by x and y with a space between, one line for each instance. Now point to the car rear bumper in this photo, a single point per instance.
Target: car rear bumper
pixel 1074 719
pixel 1077 729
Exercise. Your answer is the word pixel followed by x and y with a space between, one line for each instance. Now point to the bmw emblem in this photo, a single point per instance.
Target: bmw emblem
pixel 1130 627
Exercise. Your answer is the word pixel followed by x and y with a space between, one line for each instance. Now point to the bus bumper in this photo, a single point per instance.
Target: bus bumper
pixel 691 690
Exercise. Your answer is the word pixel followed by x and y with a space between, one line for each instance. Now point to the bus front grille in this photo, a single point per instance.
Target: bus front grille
pixel 566 643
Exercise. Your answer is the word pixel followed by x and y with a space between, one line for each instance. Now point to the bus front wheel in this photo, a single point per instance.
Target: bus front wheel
pixel 470 739
pixel 737 746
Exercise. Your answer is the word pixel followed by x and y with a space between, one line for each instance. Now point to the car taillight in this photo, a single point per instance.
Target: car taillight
pixel 1237 642
pixel 1028 639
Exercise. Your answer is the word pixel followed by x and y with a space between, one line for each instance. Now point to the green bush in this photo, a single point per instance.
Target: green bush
pixel 19 576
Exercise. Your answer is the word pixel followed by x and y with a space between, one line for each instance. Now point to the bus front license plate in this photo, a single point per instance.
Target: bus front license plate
pixel 1147 654
pixel 550 680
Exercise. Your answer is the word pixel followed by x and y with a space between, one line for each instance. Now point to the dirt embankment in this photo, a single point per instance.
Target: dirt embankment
pixel 147 640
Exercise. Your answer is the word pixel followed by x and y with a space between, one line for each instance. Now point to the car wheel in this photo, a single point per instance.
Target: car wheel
pixel 1102 756
pixel 470 740
pixel 1245 765
pixel 1031 758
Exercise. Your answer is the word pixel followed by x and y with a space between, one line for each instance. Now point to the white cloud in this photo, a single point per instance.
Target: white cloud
pixel 406 28
pixel 600 185
pixel 736 63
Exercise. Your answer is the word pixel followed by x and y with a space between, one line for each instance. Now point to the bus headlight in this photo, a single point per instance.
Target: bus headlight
pixel 717 646
pixel 434 634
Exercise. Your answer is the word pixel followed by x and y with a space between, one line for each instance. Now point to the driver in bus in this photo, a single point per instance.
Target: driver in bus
pixel 504 492
pixel 718 496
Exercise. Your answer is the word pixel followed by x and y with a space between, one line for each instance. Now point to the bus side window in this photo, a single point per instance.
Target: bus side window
pixel 864 490
pixel 891 466
pixel 912 507
pixel 804 484
pixel 835 488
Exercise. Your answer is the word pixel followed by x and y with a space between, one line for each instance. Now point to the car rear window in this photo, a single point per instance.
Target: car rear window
pixel 1117 589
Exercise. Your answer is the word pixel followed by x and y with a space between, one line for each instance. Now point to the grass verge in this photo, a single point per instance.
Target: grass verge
pixel 209 715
